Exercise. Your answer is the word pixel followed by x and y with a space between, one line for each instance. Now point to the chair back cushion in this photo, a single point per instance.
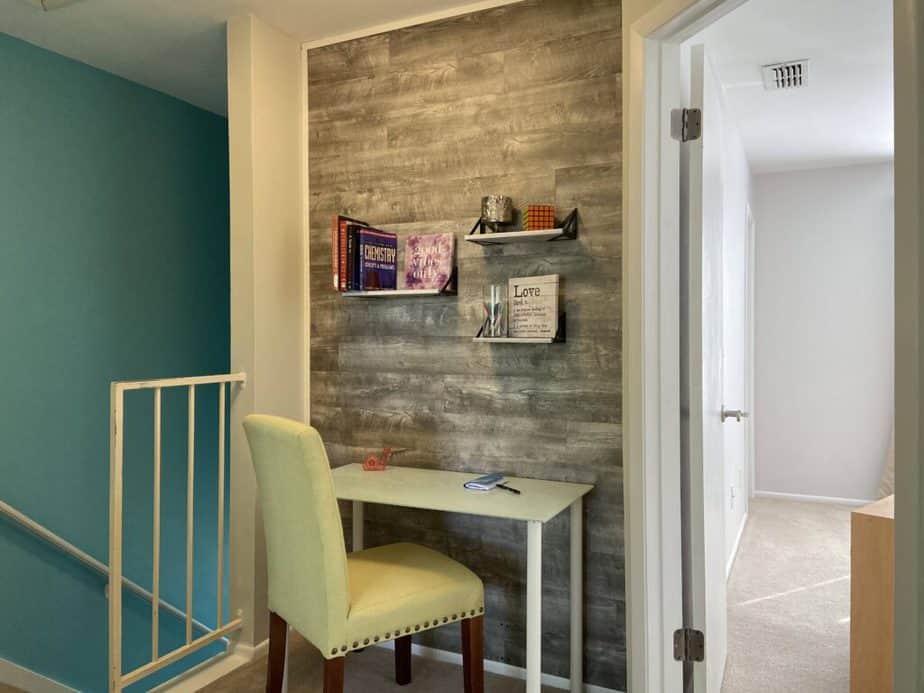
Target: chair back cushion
pixel 306 555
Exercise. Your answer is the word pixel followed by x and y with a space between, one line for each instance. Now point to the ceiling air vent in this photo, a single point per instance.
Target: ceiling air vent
pixel 788 75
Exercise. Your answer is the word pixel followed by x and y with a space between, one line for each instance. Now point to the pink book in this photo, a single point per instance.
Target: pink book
pixel 429 260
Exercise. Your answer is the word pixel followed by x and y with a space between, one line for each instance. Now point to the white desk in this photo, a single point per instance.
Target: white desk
pixel 538 503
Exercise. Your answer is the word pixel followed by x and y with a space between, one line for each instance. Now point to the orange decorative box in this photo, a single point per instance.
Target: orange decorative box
pixel 539 217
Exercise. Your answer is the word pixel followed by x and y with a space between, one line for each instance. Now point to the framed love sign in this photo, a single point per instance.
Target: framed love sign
pixel 533 306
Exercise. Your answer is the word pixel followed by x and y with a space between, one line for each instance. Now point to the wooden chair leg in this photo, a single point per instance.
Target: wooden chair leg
pixel 333 675
pixel 276 662
pixel 473 654
pixel 403 660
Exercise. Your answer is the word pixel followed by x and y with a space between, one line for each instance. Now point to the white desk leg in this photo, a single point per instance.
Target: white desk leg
pixel 357 525
pixel 534 608
pixel 577 599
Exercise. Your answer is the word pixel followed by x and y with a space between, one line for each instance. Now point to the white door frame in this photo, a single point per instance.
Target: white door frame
pixel 750 338
pixel 651 338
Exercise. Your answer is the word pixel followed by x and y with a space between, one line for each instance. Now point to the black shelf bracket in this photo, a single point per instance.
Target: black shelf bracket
pixel 561 335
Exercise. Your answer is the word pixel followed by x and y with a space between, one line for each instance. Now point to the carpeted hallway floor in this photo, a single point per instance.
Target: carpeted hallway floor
pixel 789 600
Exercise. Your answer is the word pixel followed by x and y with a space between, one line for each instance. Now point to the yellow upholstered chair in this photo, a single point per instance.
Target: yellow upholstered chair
pixel 341 602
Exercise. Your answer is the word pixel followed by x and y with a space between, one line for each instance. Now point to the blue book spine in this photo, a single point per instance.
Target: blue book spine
pixel 352 276
pixel 378 260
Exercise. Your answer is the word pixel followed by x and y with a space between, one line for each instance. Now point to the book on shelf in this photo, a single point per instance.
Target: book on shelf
pixel 533 309
pixel 371 259
pixel 429 260
pixel 378 259
pixel 350 252
pixel 339 255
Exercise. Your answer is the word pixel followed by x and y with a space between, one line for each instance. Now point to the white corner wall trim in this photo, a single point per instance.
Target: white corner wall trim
pixel 27 680
pixel 252 652
pixel 736 546
pixel 508 670
pixel 833 500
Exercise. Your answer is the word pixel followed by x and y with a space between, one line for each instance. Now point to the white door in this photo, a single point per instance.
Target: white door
pixel 736 370
pixel 702 387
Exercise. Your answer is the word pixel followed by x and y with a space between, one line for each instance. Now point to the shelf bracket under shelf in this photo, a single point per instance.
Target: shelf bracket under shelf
pixel 561 335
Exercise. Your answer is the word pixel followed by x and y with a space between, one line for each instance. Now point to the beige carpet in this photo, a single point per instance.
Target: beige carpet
pixel 370 671
pixel 789 600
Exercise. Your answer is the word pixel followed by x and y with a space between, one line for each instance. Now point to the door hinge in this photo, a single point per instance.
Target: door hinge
pixel 686 124
pixel 689 645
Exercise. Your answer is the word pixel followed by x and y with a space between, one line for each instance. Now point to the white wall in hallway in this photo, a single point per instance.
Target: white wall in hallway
pixel 824 330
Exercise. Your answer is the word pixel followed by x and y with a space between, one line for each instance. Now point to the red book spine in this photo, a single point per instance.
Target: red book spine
pixel 335 251
pixel 342 245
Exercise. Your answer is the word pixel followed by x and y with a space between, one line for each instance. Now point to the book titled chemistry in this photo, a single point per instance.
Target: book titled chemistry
pixel 377 259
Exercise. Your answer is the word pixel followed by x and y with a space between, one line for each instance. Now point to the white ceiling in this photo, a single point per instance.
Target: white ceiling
pixel 178 46
pixel 844 113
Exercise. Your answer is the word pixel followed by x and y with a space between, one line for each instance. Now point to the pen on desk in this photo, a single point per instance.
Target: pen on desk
pixel 508 488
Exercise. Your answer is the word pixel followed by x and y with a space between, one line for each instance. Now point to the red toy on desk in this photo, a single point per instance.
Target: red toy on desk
pixel 375 463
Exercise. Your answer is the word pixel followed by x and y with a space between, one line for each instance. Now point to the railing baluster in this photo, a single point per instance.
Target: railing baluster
pixel 155 558
pixel 221 497
pixel 190 491
pixel 115 540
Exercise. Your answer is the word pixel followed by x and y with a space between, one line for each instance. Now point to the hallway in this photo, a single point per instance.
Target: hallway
pixel 789 600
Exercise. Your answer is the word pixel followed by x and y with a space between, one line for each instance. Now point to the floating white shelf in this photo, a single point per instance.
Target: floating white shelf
pixel 514 340
pixel 515 237
pixel 397 293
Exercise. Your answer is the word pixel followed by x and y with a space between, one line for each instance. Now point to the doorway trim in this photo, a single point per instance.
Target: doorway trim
pixel 750 353
pixel 651 336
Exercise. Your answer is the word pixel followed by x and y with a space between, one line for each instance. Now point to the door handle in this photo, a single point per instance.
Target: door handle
pixel 735 414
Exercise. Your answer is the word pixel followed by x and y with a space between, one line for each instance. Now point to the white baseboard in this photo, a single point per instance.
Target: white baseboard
pixel 212 669
pixel 499 668
pixel 27 680
pixel 735 547
pixel 833 500
pixel 251 652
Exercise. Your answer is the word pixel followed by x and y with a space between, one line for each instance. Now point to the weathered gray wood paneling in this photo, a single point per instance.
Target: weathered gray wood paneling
pixel 408 130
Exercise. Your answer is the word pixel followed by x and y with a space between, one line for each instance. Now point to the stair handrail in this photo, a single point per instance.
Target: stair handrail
pixel 82 556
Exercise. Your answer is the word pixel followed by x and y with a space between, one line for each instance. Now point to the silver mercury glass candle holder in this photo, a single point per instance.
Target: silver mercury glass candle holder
pixel 496 211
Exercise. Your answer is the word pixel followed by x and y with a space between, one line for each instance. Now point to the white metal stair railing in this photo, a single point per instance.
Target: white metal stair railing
pixel 118 680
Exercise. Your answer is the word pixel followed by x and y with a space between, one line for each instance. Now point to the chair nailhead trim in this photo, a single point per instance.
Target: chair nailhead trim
pixel 333 651
pixel 417 627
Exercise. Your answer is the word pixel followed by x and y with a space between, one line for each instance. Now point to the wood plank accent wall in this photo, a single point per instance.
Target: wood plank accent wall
pixel 407 131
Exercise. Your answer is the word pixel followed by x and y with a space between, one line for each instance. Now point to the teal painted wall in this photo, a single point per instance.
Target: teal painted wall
pixel 114 265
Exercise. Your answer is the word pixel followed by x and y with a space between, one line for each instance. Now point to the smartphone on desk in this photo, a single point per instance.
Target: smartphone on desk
pixel 489 482
pixel 484 483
